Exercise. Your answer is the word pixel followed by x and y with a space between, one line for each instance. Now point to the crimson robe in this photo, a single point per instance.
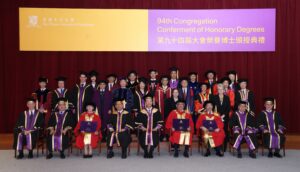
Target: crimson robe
pixel 87 138
pixel 179 137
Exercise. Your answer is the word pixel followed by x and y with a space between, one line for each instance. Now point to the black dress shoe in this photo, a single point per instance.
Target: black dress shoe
pixel 90 156
pixel 277 155
pixel 49 156
pixel 186 154
pixel 176 154
pixel 146 155
pixel 270 155
pixel 207 153
pixel 124 156
pixel 30 155
pixel 85 156
pixel 62 156
pixel 239 155
pixel 218 153
pixel 110 154
pixel 252 155
pixel 150 155
pixel 20 156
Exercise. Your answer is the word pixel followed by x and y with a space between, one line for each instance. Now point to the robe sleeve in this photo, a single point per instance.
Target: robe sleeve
pixel 139 120
pixel 234 123
pixel 199 124
pixel 40 121
pixel 129 101
pixel 281 125
pixel 169 124
pixel 261 121
pixel 52 121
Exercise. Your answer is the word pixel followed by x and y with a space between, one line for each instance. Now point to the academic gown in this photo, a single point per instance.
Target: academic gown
pixel 58 141
pixel 127 95
pixel 27 122
pixel 199 101
pixel 248 97
pixel 149 120
pixel 56 94
pixel 245 126
pixel 215 139
pixel 180 137
pixel 43 101
pixel 117 122
pixel 81 96
pixel 160 97
pixel 139 102
pixel 153 84
pixel 103 101
pixel 272 122
pixel 88 138
pixel 188 97
pixel 170 105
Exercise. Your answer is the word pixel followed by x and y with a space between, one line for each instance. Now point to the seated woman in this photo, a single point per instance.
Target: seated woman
pixel 272 127
pixel 87 130
pixel 212 129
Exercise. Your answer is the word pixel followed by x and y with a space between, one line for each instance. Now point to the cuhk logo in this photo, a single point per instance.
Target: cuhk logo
pixel 33 21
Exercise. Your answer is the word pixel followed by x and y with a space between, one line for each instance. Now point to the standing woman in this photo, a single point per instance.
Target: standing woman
pixel 138 95
pixel 170 105
pixel 87 130
pixel 222 106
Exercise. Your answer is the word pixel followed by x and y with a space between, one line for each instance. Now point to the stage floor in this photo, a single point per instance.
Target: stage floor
pixel 162 163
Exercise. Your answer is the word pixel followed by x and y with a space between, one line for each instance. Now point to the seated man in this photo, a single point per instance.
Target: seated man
pixel 149 122
pixel 27 128
pixel 272 127
pixel 181 125
pixel 244 129
pixel 119 124
pixel 212 129
pixel 59 123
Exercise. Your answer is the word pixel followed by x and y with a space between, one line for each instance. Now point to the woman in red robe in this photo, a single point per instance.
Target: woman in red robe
pixel 211 127
pixel 180 137
pixel 88 140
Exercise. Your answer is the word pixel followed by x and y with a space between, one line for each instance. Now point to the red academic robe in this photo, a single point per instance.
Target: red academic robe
pixel 88 138
pixel 179 137
pixel 160 97
pixel 217 137
pixel 201 98
pixel 230 93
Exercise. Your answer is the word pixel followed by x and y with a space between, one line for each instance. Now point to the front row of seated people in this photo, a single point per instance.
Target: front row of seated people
pixel 148 124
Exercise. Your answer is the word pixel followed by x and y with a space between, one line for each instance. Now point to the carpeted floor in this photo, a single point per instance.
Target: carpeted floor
pixel 162 163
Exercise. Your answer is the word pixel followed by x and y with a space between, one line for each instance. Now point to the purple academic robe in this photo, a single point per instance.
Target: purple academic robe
pixel 103 102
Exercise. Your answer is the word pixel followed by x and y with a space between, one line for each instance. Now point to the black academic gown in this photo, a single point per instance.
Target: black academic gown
pixel 57 94
pixel 274 125
pixel 170 105
pixel 142 119
pixel 67 121
pixel 238 98
pixel 87 96
pixel 235 124
pixel 21 124
pixel 138 98
pixel 127 95
pixel 123 139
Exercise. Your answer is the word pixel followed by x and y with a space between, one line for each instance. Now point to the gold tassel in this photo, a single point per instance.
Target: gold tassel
pixel 137 78
pixel 177 74
pixel 236 78
pixel 67 105
pixel 36 104
pixel 216 77
pixel 96 112
pixel 197 78
pixel 274 104
pixel 216 109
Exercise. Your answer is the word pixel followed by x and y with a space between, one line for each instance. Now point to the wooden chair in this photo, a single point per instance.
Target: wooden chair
pixel 70 146
pixel 200 141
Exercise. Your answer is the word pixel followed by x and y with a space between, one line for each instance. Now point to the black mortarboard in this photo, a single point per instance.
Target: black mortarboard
pixel 163 77
pixel 210 71
pixel 90 104
pixel 243 80
pixel 209 102
pixel 180 101
pixel 242 102
pixel 148 96
pixel 102 81
pixel 93 73
pixel 152 70
pixel 30 99
pixel 61 78
pixel 225 79
pixel 132 72
pixel 111 75
pixel 62 99
pixel 83 73
pixel 43 79
pixel 184 79
pixel 231 72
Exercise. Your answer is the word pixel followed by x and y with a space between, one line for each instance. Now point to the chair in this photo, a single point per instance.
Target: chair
pixel 262 143
pixel 200 141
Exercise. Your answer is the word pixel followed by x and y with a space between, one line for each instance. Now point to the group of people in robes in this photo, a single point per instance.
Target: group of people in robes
pixel 167 109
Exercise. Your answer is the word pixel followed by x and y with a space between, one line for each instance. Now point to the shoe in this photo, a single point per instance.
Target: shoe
pixel 90 156
pixel 30 155
pixel 49 156
pixel 176 154
pixel 270 155
pixel 150 155
pixel 252 155
pixel 85 156
pixel 186 154
pixel 110 154
pixel 20 156
pixel 62 156
pixel 277 155
pixel 218 153
pixel 239 155
pixel 124 156
pixel 207 153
